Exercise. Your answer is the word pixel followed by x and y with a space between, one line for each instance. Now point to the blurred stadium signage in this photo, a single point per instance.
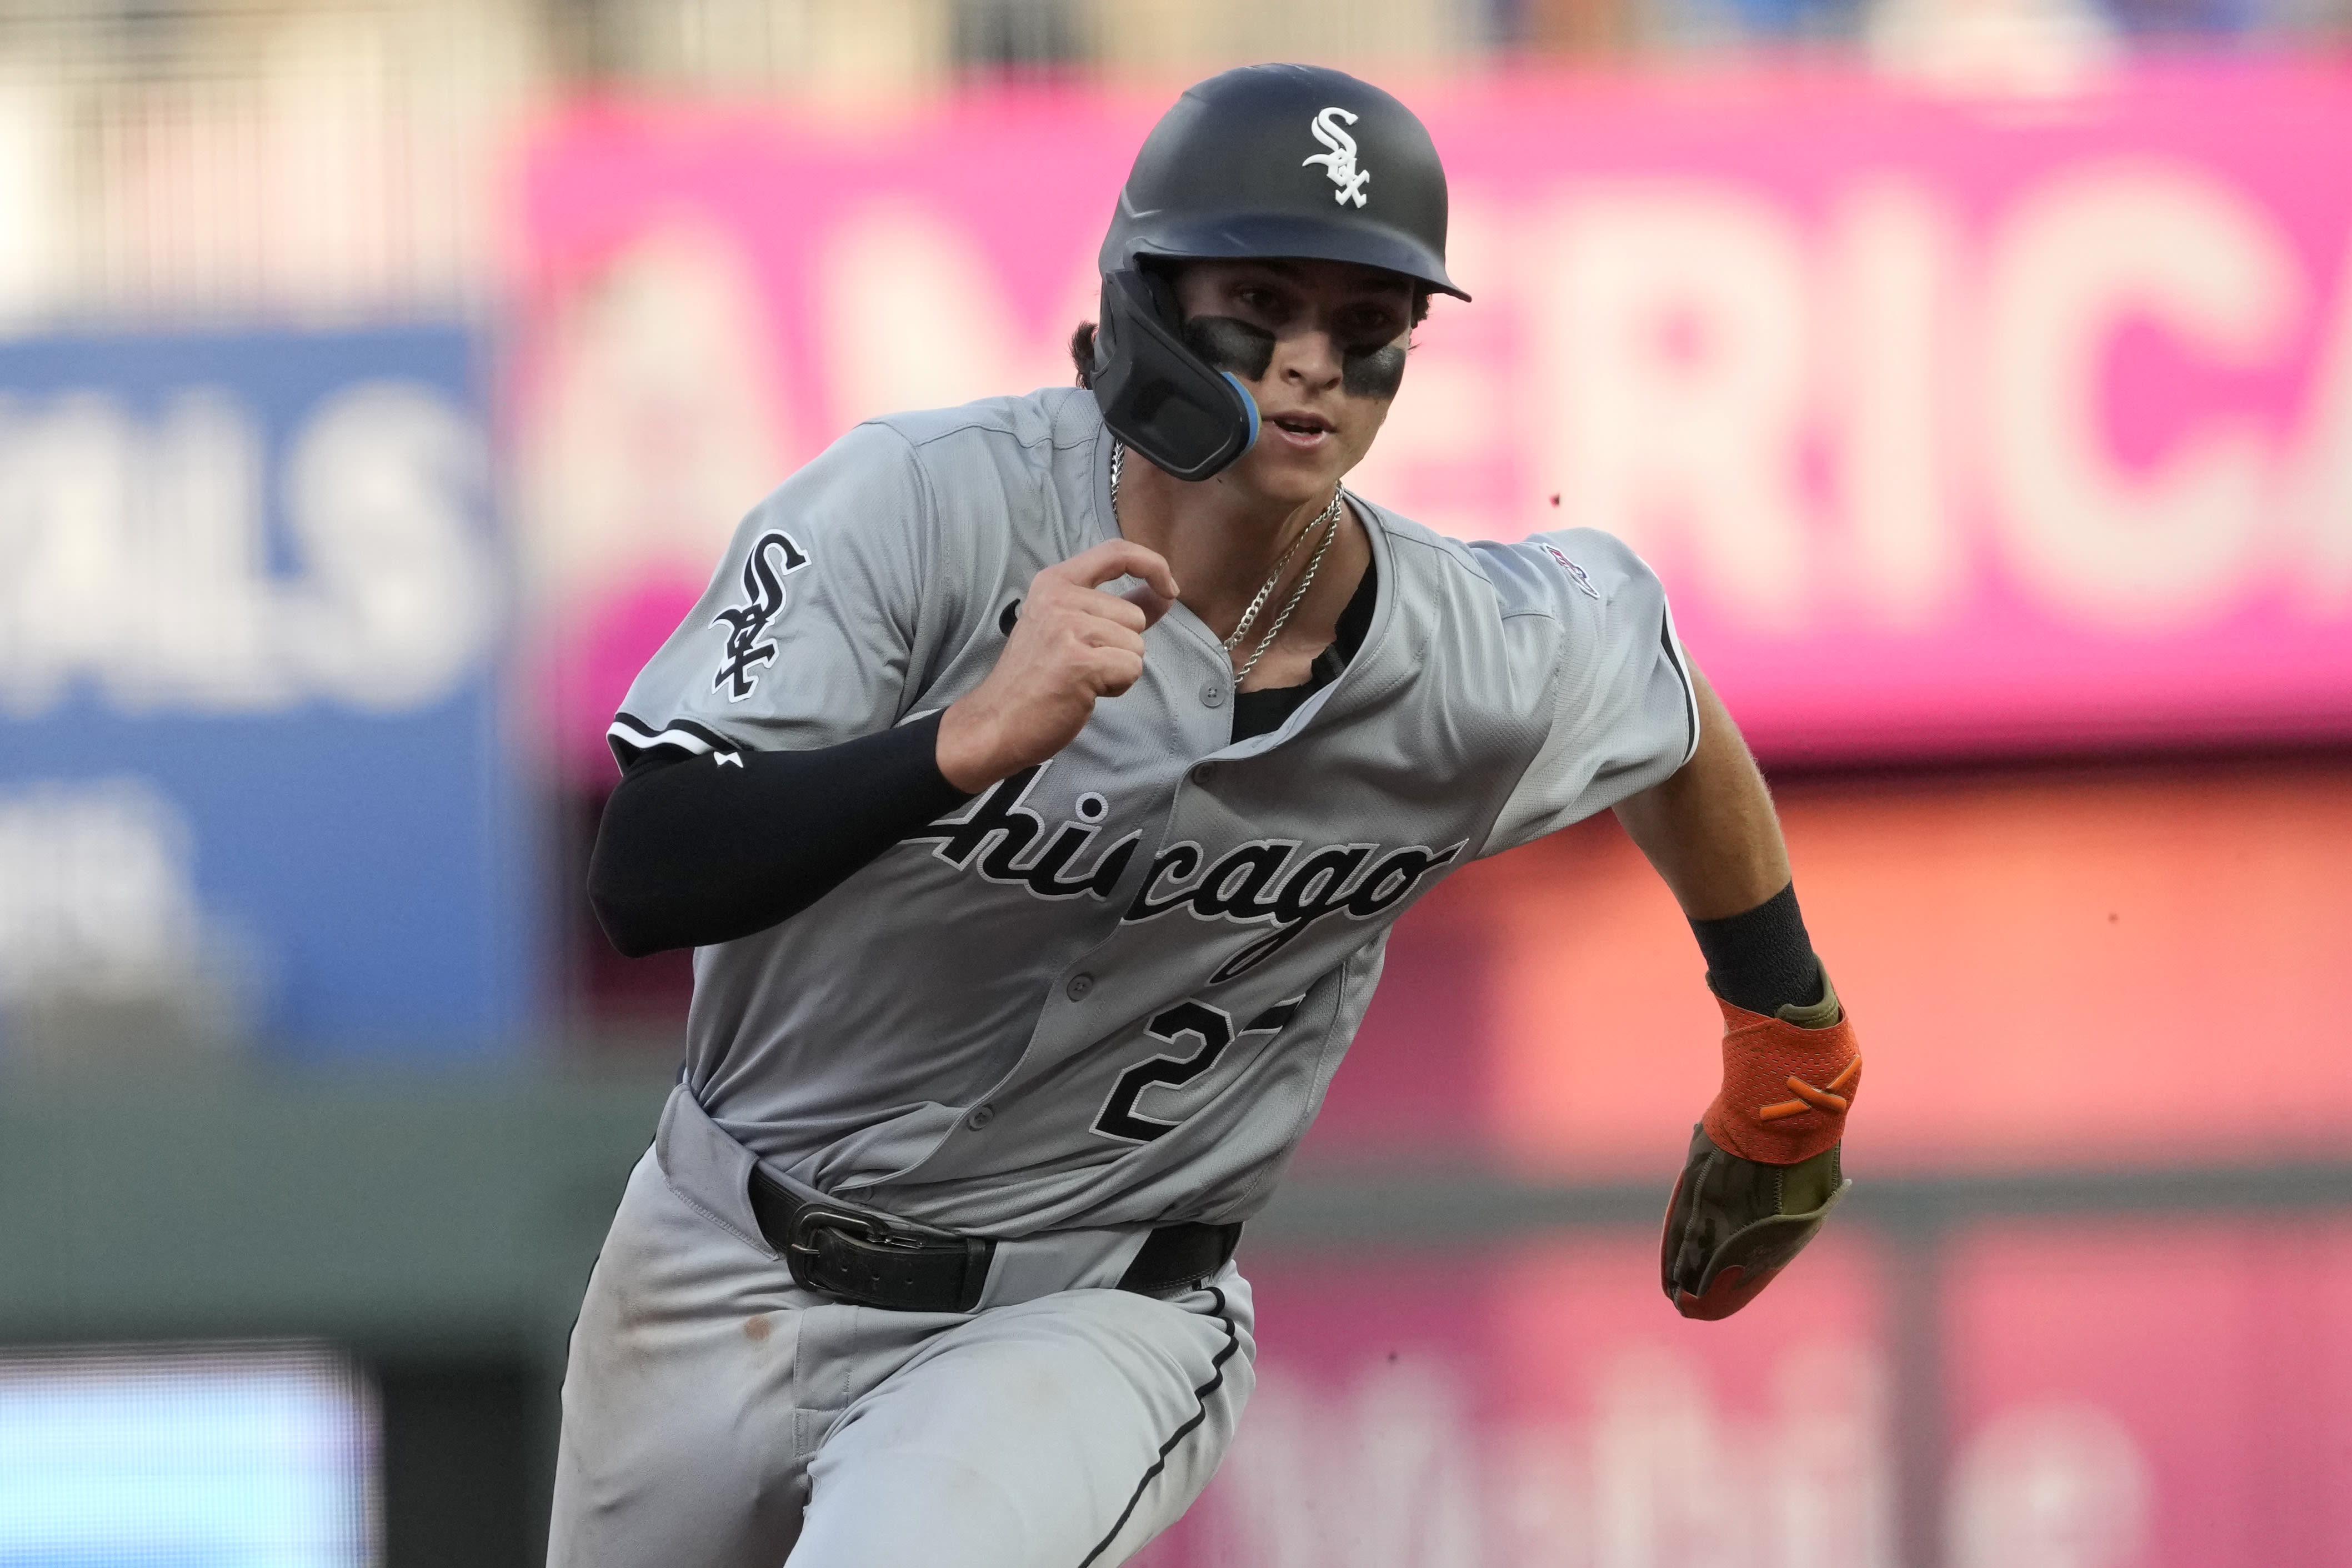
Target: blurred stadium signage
pixel 1536 1404
pixel 255 1453
pixel 251 777
pixel 1953 426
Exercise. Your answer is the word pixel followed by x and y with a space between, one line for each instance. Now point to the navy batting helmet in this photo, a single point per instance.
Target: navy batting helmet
pixel 1265 161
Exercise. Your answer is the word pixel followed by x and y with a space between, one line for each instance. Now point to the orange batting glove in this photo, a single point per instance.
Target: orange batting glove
pixel 1763 1170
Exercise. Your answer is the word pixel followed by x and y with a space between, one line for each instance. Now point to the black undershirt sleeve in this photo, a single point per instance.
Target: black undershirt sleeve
pixel 697 850
pixel 1761 959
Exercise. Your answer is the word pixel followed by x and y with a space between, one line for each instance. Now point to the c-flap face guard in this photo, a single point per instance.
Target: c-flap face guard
pixel 1158 396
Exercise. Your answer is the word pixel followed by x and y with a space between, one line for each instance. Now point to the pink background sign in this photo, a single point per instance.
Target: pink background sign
pixel 1543 1404
pixel 2140 1394
pixel 1953 427
pixel 2165 1394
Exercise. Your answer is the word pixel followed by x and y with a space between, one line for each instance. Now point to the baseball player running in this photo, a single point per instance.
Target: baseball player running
pixel 1037 783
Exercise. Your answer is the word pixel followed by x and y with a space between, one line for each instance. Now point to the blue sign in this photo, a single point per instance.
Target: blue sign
pixel 254 770
pixel 243 1456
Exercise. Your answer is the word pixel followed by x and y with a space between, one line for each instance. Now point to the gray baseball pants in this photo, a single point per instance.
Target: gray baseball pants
pixel 717 1415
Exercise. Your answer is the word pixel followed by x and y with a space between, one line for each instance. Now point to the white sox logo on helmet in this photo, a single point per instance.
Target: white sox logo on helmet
pixel 1341 160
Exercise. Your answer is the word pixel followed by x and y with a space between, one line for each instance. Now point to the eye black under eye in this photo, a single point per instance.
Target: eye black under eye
pixel 1373 372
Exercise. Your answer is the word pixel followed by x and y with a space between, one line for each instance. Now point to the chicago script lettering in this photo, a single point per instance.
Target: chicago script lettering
pixel 1280 882
pixel 1001 823
pixel 1256 882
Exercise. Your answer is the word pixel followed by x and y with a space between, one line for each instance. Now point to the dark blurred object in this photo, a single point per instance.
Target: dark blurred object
pixel 460 1487
pixel 1017 38
pixel 1580 29
pixel 2172 26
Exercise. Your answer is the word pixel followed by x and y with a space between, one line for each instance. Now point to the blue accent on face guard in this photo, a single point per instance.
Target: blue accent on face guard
pixel 1247 401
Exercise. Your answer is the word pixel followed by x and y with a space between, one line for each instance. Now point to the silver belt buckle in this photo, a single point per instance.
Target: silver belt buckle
pixel 800 1236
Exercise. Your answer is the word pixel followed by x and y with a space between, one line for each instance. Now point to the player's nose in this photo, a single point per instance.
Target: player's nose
pixel 1310 360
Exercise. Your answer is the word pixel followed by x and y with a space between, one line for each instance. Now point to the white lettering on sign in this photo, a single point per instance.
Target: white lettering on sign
pixel 914 318
pixel 1672 358
pixel 400 593
pixel 658 417
pixel 2072 262
pixel 1396 1467
pixel 1886 405
pixel 2051 1485
pixel 98 897
pixel 136 559
pixel 1889 296
pixel 2318 487
pixel 1870 414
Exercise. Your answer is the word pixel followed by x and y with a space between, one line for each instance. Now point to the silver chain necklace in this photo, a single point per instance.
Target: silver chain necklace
pixel 1328 523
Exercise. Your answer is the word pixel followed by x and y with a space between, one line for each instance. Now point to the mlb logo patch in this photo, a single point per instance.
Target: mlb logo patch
pixel 1575 572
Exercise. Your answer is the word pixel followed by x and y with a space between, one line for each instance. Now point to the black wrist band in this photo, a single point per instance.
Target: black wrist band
pixel 1763 958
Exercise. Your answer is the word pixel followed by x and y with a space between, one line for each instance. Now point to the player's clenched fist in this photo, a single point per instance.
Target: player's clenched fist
pixel 1072 645
pixel 1763 1171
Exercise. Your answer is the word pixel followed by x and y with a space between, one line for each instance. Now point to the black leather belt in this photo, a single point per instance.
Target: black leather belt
pixel 870 1260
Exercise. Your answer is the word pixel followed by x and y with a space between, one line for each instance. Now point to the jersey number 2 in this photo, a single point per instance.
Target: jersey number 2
pixel 1214 1028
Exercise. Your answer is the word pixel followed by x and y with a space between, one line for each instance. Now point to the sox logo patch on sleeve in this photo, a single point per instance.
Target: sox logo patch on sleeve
pixel 773 556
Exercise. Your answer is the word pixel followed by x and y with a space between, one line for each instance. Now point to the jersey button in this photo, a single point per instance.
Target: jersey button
pixel 982 1117
pixel 1080 985
pixel 1212 694
pixel 1203 773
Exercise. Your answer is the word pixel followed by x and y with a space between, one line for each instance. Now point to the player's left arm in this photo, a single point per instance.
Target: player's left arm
pixel 1709 828
pixel 1763 1169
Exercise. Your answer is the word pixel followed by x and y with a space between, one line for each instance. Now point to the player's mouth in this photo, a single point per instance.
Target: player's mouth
pixel 1303 431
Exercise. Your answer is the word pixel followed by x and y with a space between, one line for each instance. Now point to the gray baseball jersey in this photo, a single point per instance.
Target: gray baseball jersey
pixel 1112 988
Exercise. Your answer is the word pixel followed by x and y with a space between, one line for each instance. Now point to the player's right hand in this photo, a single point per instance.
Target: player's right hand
pixel 1072 645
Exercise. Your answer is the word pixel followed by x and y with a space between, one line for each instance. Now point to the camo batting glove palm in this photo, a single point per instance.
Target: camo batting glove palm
pixel 1763 1173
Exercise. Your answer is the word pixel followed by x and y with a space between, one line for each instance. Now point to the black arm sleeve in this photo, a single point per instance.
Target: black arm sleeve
pixel 697 850
pixel 1761 959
